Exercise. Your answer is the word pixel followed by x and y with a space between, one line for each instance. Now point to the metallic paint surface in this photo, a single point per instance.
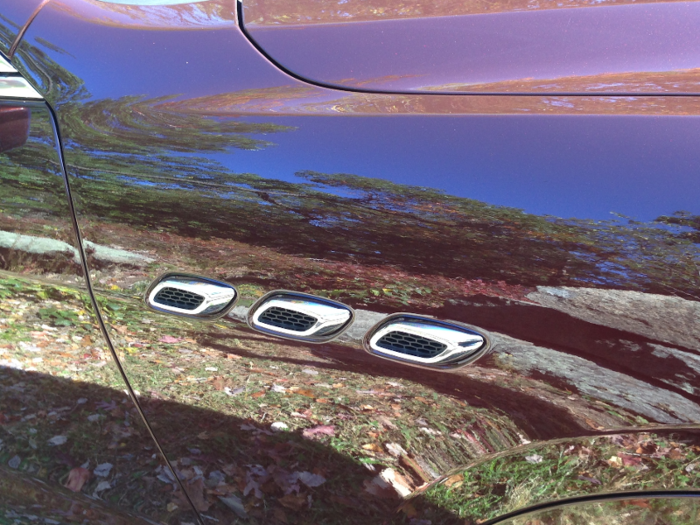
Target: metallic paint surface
pixel 66 425
pixel 306 12
pixel 492 211
pixel 15 14
pixel 634 48
pixel 623 510
pixel 205 14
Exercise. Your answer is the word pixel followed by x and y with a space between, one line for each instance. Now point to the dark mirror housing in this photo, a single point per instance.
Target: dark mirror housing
pixel 14 127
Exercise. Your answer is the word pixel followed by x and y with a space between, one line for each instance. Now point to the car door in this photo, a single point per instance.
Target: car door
pixel 67 426
pixel 342 305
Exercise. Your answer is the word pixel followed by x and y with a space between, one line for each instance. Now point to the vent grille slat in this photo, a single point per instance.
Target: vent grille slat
pixel 411 344
pixel 177 298
pixel 287 319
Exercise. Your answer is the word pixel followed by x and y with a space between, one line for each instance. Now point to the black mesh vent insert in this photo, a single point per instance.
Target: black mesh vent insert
pixel 411 344
pixel 287 319
pixel 178 298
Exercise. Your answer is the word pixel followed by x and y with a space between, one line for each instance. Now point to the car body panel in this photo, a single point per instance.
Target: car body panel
pixel 624 510
pixel 15 16
pixel 194 154
pixel 621 48
pixel 72 445
pixel 308 12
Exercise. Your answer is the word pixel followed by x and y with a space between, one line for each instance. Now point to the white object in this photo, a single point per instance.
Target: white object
pixel 328 317
pixel 457 342
pixel 214 297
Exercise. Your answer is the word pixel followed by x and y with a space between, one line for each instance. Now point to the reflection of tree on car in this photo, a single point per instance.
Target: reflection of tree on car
pixel 418 229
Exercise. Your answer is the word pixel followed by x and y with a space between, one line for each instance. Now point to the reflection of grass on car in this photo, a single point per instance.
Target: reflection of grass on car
pixel 213 393
pixel 571 468
pixel 367 413
pixel 62 407
pixel 637 511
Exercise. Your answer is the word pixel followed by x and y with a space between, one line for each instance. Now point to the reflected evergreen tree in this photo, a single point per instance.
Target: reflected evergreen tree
pixel 143 163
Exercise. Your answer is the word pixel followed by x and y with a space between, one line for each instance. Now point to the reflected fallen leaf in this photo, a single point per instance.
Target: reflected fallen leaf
pixel 102 470
pixel 280 515
pixel 630 461
pixel 293 501
pixel 235 504
pixel 395 449
pixel 317 431
pixel 102 486
pixel 195 490
pixel 77 478
pixel 169 339
pixel 675 454
pixel 58 440
pixel 387 423
pixel 615 461
pixel 305 392
pixel 373 447
pixel 309 479
pixel 637 503
pixel 453 479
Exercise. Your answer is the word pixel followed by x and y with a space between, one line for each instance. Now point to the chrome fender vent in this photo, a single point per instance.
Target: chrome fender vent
pixel 425 341
pixel 177 298
pixel 411 344
pixel 191 296
pixel 300 316
pixel 287 319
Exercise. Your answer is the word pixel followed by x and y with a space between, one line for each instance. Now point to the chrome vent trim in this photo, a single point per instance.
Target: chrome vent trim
pixel 425 341
pixel 299 316
pixel 191 296
pixel 411 344
pixel 178 298
pixel 288 319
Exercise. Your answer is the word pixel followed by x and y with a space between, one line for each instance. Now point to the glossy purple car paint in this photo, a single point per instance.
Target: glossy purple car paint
pixel 529 175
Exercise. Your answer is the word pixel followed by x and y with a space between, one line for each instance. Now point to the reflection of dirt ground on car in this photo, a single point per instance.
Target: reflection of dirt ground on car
pixel 287 435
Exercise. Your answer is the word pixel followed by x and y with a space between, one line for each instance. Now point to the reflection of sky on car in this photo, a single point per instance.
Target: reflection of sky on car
pixel 439 53
pixel 165 62
pixel 542 164
pixel 151 2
